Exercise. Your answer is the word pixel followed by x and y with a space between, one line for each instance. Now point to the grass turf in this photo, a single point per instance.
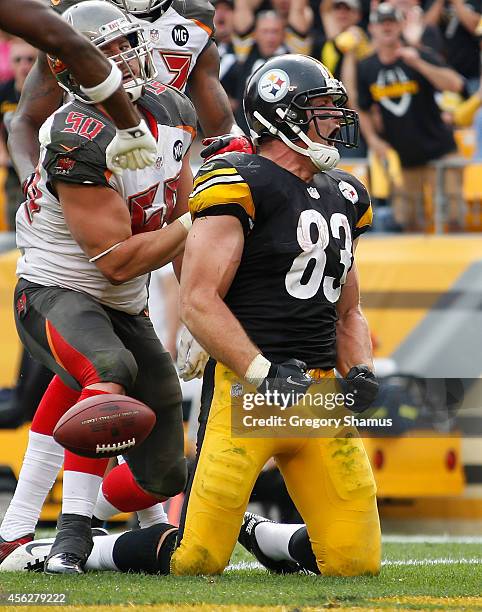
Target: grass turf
pixel 404 581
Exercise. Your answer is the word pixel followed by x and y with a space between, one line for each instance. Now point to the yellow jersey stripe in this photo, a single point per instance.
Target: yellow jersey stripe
pixel 220 171
pixel 219 194
pixel 366 218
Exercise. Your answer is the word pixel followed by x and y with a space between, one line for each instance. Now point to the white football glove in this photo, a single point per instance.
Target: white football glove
pixel 133 149
pixel 191 357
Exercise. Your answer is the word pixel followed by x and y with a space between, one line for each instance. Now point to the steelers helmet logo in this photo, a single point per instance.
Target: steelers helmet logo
pixel 273 85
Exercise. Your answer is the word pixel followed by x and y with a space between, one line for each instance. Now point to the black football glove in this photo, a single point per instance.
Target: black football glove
pixel 288 379
pixel 363 385
pixel 225 144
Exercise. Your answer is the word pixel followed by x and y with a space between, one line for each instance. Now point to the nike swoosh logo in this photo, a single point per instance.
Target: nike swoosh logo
pixel 293 382
pixel 67 148
pixel 31 547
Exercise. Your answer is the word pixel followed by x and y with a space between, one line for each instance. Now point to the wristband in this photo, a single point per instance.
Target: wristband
pixel 235 129
pixel 257 370
pixel 186 221
pixel 104 90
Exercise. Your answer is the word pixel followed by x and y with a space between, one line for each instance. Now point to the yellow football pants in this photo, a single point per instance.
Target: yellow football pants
pixel 329 480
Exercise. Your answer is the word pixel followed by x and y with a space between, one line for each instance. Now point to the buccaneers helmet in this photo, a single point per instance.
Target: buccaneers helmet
pixel 143 8
pixel 280 102
pixel 102 22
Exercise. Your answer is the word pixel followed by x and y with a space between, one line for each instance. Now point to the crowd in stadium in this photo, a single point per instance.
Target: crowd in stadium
pixel 411 69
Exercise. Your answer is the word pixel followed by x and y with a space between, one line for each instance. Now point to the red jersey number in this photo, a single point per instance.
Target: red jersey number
pixel 31 205
pixel 142 219
pixel 87 127
pixel 170 194
pixel 178 65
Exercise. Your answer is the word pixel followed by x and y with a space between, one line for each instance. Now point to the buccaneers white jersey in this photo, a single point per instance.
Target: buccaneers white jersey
pixel 73 144
pixel 178 37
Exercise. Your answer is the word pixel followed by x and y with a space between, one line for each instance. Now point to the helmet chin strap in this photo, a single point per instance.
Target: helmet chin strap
pixel 323 156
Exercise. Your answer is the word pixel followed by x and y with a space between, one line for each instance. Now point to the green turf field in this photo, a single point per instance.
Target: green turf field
pixel 417 573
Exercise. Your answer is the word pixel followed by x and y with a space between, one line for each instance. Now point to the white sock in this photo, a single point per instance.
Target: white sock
pixel 274 538
pixel 104 510
pixel 101 556
pixel 152 516
pixel 41 464
pixel 80 491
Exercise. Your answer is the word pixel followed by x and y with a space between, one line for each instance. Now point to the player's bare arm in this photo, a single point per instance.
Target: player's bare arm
pixel 211 259
pixel 41 27
pixel 353 344
pixel 41 96
pixel 133 147
pixel 207 93
pixel 98 228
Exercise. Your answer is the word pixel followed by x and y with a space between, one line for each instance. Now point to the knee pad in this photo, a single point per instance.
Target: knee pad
pixel 170 483
pixel 352 549
pixel 116 365
pixel 349 469
pixel 222 477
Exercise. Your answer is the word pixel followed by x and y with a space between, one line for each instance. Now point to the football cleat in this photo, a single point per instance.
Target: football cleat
pixel 7 548
pixel 28 558
pixel 31 556
pixel 247 539
pixel 64 563
pixel 70 562
pixel 72 547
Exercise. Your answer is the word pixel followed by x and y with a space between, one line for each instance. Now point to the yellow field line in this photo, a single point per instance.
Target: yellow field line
pixel 415 602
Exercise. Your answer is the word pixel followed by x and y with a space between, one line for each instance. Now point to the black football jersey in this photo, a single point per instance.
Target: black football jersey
pixel 298 250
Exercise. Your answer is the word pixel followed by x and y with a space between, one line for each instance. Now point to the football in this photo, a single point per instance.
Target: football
pixel 104 426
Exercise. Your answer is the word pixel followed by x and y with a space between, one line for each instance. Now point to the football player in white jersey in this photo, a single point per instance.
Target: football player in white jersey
pixel 31 20
pixel 184 52
pixel 88 239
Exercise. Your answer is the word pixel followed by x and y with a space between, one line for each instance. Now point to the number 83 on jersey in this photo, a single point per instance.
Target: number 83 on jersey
pixel 307 273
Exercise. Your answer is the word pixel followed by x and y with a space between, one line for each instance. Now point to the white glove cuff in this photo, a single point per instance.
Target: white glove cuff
pixel 257 370
pixel 104 90
pixel 186 221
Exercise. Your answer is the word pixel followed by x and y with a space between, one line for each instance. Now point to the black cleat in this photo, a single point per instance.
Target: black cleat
pixel 7 547
pixel 64 563
pixel 247 538
pixel 72 547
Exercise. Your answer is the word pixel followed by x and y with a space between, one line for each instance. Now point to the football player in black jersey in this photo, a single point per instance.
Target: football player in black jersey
pixel 270 289
pixel 35 23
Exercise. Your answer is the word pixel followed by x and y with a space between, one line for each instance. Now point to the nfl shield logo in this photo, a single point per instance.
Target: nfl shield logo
pixel 155 35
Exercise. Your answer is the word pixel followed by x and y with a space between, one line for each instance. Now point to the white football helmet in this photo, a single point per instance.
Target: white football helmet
pixel 142 8
pixel 102 22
